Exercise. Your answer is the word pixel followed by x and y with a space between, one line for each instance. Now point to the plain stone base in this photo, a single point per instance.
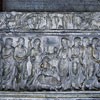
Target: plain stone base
pixel 74 95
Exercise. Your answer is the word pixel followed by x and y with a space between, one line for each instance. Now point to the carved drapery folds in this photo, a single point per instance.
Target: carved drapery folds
pixel 64 62
pixel 33 60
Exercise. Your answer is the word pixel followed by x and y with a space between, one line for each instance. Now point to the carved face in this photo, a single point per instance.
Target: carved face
pixel 55 50
pixel 29 21
pixel 21 41
pixel 85 41
pixel 45 59
pixel 95 41
pixel 9 41
pixel 37 42
pixel 77 41
pixel 64 42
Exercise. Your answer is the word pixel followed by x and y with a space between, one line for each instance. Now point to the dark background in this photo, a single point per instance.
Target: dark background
pixel 1 5
pixel 50 5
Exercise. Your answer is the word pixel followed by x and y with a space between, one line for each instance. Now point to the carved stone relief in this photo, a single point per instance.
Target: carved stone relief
pixel 25 22
pixel 62 62
pixel 50 52
pixel 21 21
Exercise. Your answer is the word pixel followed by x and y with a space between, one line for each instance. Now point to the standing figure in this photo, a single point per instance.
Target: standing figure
pixel 96 55
pixel 8 65
pixel 86 57
pixel 20 56
pixel 64 61
pixel 92 82
pixel 35 58
pixel 77 76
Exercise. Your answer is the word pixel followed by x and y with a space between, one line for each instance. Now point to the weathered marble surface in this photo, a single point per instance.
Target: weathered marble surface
pixel 50 61
pixel 50 52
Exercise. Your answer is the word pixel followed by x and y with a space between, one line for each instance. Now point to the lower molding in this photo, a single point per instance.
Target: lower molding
pixel 73 95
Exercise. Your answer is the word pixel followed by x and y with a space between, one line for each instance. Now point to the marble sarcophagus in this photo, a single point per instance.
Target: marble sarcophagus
pixel 50 55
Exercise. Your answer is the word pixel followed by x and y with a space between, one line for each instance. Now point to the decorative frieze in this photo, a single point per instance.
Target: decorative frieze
pixel 49 21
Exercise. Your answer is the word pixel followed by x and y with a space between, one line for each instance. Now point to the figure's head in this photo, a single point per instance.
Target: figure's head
pixel 9 41
pixel 86 41
pixel 45 59
pixel 95 40
pixel 64 42
pixel 37 42
pixel 55 49
pixel 21 41
pixel 77 41
pixel 29 21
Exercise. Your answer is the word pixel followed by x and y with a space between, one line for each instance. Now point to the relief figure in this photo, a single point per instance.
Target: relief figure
pixel 35 58
pixel 8 65
pixel 63 66
pixel 77 76
pixel 21 57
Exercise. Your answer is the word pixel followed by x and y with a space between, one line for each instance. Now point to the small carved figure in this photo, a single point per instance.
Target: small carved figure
pixel 21 56
pixel 8 65
pixel 82 21
pixel 63 66
pixel 57 21
pixel 96 55
pixel 92 82
pixel 32 21
pixel 86 57
pixel 77 77
pixel 35 58
pixel 42 21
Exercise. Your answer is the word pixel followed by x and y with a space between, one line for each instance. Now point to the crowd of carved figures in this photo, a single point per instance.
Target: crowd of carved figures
pixel 75 67
pixel 26 21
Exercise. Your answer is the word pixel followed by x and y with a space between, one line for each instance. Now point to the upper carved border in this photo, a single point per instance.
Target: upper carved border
pixel 29 21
